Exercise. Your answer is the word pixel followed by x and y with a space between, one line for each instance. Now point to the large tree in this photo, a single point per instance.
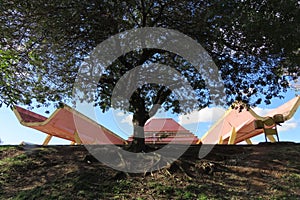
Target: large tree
pixel 254 44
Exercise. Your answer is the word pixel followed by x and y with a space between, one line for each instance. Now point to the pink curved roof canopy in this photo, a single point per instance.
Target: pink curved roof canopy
pixel 62 124
pixel 242 123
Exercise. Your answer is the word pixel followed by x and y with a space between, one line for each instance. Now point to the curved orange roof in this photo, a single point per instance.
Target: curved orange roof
pixel 69 124
pixel 243 123
pixel 163 125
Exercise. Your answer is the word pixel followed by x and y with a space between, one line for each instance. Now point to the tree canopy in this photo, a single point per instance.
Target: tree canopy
pixel 255 45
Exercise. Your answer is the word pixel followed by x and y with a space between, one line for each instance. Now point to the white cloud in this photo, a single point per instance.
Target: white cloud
pixel 127 119
pixel 123 117
pixel 120 114
pixel 288 125
pixel 204 115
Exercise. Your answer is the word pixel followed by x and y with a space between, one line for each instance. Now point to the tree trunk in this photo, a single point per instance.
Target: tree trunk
pixel 141 115
pixel 139 119
pixel 138 142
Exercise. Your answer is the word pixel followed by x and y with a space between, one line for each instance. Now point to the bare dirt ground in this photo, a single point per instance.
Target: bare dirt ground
pixel 264 171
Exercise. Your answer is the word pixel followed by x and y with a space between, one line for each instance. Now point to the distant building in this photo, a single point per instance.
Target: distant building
pixel 165 130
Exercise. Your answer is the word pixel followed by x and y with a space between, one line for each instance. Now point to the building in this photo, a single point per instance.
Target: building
pixel 165 130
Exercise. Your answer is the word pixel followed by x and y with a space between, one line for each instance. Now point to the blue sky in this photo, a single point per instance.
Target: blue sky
pixel 12 132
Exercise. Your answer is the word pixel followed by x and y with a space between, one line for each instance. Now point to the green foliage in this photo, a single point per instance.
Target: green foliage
pixel 293 178
pixel 173 192
pixel 202 197
pixel 17 161
pixel 254 44
pixel 30 194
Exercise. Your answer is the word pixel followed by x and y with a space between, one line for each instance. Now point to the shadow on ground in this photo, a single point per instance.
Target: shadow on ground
pixel 264 171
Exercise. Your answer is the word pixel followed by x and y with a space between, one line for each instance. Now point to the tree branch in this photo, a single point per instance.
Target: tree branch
pixel 161 97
